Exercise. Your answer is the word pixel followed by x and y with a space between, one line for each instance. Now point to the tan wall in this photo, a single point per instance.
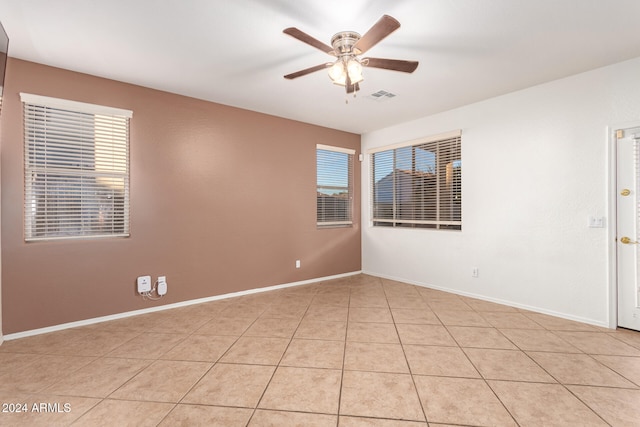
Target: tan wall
pixel 222 200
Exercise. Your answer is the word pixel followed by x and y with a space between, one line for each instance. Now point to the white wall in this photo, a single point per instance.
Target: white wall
pixel 535 167
pixel 1 336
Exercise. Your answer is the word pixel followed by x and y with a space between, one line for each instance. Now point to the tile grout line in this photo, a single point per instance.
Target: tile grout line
pixel 344 356
pixel 175 404
pixel 213 364
pixel 545 370
pixel 482 377
pixel 406 359
pixel 280 360
pixel 563 385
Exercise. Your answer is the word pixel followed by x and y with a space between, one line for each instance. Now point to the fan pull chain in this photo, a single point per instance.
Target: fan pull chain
pixel 346 97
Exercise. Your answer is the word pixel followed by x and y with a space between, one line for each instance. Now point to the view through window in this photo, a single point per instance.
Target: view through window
pixel 334 190
pixel 76 169
pixel 418 184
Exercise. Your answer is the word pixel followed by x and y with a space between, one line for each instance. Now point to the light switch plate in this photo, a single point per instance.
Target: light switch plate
pixel 596 222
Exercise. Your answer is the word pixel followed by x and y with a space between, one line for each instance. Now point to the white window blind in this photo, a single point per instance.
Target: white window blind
pixel 334 191
pixel 418 184
pixel 76 169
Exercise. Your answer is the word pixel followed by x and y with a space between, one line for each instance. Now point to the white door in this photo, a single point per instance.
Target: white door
pixel 628 230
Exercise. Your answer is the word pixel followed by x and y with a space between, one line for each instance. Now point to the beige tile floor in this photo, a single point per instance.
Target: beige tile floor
pixel 352 352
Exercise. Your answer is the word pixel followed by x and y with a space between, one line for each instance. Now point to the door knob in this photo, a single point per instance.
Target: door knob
pixel 625 192
pixel 627 241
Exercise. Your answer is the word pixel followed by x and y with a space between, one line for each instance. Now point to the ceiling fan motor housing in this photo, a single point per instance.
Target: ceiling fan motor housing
pixel 343 43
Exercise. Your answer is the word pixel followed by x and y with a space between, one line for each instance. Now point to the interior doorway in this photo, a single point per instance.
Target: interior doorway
pixel 627 242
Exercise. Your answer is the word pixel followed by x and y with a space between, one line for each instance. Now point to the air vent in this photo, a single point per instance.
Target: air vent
pixel 381 95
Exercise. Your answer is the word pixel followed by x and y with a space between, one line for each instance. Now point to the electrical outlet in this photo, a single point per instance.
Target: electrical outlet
pixel 297 263
pixel 475 272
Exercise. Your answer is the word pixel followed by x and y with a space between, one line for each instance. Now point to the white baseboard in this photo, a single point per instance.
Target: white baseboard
pixel 496 300
pixel 101 319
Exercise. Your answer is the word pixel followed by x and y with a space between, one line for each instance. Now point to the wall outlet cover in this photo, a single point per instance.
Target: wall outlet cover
pixel 144 284
pixel 162 287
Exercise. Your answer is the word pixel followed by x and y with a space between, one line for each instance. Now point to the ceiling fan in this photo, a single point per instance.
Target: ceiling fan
pixel 347 46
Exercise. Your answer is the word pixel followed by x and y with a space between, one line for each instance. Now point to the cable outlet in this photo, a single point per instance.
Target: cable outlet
pixel 475 272
pixel 297 263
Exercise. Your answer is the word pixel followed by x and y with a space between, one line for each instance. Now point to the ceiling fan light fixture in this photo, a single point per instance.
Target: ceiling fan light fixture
pixel 354 68
pixel 337 73
pixel 342 67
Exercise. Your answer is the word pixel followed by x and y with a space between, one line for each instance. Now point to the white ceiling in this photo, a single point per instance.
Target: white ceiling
pixel 234 52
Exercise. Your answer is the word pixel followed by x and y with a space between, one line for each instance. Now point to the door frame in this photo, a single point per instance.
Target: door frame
pixel 612 246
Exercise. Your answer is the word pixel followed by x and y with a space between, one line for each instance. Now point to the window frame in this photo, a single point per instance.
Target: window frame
pixel 347 221
pixel 76 169
pixel 395 215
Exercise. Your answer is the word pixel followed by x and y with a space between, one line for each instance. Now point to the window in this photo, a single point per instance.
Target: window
pixel 76 169
pixel 334 189
pixel 418 184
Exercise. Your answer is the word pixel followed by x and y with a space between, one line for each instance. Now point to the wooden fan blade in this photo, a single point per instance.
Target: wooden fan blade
pixel 306 38
pixel 381 29
pixel 391 64
pixel 306 71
